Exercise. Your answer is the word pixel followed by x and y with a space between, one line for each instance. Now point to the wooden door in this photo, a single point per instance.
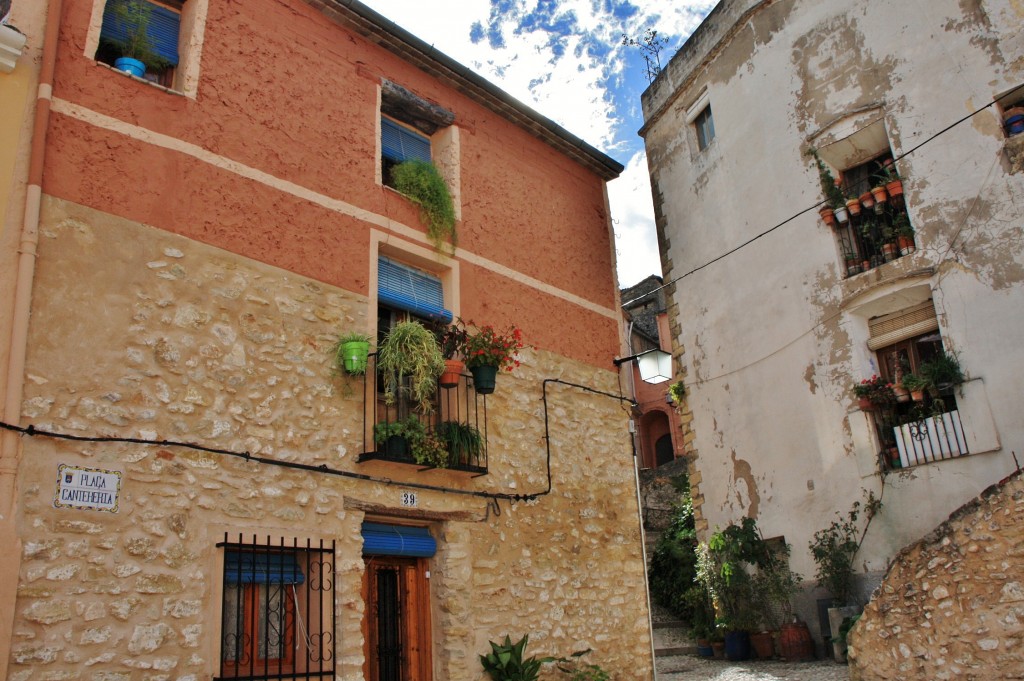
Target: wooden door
pixel 397 624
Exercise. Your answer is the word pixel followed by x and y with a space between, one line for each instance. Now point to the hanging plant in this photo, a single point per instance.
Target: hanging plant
pixel 410 351
pixel 420 181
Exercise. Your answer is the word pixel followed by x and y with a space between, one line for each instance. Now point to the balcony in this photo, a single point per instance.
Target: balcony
pixel 914 433
pixel 877 233
pixel 453 435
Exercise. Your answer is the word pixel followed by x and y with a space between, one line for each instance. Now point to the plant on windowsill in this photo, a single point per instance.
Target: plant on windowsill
pixel 488 351
pixel 834 199
pixel 874 392
pixel 132 17
pixel 350 352
pixel 410 362
pixel 916 385
pixel 423 184
pixel 891 178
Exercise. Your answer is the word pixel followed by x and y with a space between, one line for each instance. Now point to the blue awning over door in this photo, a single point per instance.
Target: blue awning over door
pixel 397 540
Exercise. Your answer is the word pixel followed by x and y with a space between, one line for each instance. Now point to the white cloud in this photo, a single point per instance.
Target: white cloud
pixel 636 242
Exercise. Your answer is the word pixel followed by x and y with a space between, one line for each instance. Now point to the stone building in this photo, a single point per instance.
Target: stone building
pixel 180 254
pixel 777 316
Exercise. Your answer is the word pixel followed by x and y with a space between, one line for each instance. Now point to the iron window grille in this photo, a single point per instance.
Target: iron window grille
pixel 277 615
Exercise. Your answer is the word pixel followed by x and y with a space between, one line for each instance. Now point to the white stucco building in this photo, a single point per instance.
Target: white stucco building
pixel 774 336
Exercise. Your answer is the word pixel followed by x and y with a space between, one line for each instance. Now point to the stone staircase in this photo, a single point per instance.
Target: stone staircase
pixel 671 636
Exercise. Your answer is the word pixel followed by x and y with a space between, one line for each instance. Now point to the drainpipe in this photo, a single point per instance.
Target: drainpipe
pixel 10 443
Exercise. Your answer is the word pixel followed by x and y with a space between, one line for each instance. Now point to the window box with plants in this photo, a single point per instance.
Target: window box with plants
pixel 421 182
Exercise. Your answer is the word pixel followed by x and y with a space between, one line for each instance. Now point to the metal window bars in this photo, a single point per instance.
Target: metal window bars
pixel 872 237
pixel 915 433
pixel 277 615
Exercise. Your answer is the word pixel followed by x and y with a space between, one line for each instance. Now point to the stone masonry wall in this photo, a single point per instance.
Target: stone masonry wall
pixel 952 605
pixel 141 333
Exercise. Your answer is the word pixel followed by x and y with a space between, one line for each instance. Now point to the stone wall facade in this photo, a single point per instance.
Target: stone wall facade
pixel 952 604
pixel 185 342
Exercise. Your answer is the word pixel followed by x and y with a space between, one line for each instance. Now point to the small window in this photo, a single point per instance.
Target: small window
pixel 397 144
pixel 277 615
pixel 155 43
pixel 705 126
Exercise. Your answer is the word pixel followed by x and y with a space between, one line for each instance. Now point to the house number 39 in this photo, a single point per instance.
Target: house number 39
pixel 408 498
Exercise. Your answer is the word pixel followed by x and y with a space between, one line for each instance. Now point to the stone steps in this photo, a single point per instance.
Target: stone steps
pixel 671 638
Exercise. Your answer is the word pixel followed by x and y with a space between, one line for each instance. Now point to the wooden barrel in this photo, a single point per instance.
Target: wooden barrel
pixel 796 642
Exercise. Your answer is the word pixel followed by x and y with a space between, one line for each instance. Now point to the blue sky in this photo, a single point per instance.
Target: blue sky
pixel 565 59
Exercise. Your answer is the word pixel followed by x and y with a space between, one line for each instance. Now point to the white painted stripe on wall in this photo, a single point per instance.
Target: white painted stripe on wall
pixel 99 120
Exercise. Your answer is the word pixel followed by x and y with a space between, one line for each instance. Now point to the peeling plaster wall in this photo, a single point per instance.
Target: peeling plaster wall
pixel 773 337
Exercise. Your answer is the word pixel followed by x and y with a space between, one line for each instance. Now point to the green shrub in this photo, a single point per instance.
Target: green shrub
pixel 420 181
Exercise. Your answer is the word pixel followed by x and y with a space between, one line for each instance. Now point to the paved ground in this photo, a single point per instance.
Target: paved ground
pixel 691 668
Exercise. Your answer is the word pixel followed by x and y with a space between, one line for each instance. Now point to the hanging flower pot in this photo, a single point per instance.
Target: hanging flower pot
pixel 453 369
pixel 853 205
pixel 351 352
pixel 841 215
pixel 484 378
pixel 894 188
pixel 879 194
pixel 828 216
pixel 902 394
pixel 867 200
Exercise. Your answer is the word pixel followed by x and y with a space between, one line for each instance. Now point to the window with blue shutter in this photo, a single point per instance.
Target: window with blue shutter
pixel 415 291
pixel 164 26
pixel 401 144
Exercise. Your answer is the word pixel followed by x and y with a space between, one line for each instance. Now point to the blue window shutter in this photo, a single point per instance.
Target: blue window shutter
pixel 243 567
pixel 397 540
pixel 164 26
pixel 407 288
pixel 401 144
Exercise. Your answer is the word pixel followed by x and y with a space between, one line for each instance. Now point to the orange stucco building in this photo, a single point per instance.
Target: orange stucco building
pixel 180 253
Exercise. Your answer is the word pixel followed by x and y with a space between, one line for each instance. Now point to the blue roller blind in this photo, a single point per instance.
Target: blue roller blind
pixel 407 288
pixel 242 567
pixel 164 25
pixel 401 144
pixel 397 540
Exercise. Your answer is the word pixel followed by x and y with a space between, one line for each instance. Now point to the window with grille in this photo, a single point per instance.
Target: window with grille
pixel 277 614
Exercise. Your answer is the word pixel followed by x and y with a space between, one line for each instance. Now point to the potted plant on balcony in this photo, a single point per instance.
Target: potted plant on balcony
pixel 131 19
pixel 942 372
pixel 452 340
pixel 916 385
pixel 873 393
pixel 893 183
pixel 410 361
pixel 394 439
pixel 835 203
pixel 351 352
pixel 463 441
pixel 904 233
pixel 488 351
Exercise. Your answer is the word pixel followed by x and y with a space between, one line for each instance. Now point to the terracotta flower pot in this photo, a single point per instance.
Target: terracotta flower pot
pixel 853 205
pixel 894 188
pixel 763 645
pixel 867 199
pixel 453 369
pixel 906 244
pixel 889 251
pixel 902 394
pixel 879 194
pixel 865 404
pixel 828 216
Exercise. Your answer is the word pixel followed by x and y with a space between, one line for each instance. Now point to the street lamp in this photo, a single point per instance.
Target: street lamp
pixel 655 365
